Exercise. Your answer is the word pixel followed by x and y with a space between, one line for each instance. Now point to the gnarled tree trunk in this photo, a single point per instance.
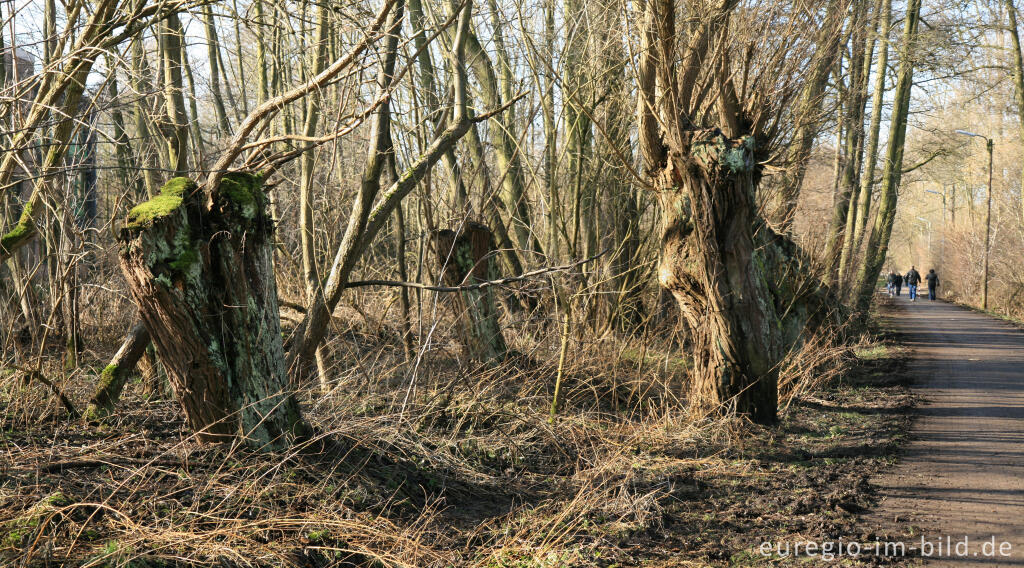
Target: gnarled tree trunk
pixel 747 292
pixel 708 262
pixel 199 266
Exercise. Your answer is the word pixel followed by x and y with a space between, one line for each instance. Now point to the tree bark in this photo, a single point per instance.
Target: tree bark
pixel 745 291
pixel 1018 83
pixel 148 155
pixel 261 54
pixel 851 241
pixel 849 180
pixel 465 257
pixel 200 268
pixel 198 143
pixel 213 55
pixel 708 263
pixel 878 241
pixel 49 32
pixel 491 208
pixel 506 147
pixel 311 276
pixel 3 62
pixel 176 128
pixel 578 89
pixel 867 183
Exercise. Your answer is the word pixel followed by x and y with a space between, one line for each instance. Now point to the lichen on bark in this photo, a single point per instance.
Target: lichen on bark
pixel 466 257
pixel 99 406
pixel 713 150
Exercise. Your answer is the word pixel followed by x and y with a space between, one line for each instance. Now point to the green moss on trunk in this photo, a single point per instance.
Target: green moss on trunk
pixel 244 193
pixel 108 389
pixel 170 199
pixel 24 229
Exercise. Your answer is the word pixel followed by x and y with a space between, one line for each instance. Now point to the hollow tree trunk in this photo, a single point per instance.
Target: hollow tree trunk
pixel 201 271
pixel 466 257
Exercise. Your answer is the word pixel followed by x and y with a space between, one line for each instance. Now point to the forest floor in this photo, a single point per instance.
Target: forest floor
pixel 461 475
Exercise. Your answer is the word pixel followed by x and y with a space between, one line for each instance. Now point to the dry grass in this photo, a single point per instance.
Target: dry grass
pixel 432 462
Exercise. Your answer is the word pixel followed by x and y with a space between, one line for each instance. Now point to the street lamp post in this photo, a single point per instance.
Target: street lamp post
pixel 988 215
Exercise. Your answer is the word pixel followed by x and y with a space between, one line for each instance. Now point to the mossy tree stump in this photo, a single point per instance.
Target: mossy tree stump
pixel 200 267
pixel 466 258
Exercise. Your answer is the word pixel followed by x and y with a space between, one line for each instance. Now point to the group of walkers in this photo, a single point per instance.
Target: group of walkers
pixel 912 279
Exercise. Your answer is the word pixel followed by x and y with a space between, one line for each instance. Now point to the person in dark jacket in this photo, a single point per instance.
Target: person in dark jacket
pixel 890 283
pixel 897 284
pixel 933 283
pixel 913 278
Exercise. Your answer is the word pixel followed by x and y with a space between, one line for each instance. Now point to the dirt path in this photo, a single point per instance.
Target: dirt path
pixel 963 472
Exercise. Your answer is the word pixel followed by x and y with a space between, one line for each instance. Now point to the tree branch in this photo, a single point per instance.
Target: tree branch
pixel 478 285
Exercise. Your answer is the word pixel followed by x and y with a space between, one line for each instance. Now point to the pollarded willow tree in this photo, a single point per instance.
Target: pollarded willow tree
pixel 199 263
pixel 717 82
pixel 199 259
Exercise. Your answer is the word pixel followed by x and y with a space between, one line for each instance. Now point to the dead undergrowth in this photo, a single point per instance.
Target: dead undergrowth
pixel 435 462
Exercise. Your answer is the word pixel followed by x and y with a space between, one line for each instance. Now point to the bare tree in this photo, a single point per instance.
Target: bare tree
pixel 878 240
pixel 1018 80
pixel 375 204
pixel 59 96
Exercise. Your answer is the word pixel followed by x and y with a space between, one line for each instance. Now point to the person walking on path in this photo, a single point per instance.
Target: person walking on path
pixel 913 278
pixel 933 283
pixel 897 283
pixel 890 283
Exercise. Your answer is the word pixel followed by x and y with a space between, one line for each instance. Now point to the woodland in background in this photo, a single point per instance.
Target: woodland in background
pixel 294 219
